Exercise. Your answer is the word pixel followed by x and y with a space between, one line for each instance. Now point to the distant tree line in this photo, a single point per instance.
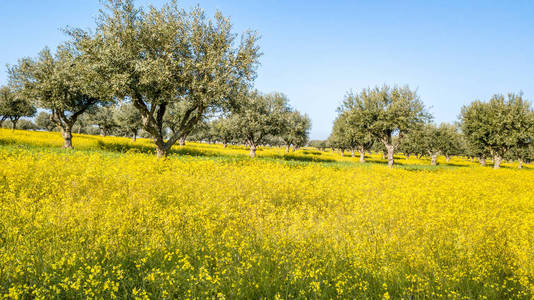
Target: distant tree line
pixel 390 120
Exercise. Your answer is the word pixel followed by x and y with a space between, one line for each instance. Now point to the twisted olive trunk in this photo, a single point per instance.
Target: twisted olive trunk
pixel 252 150
pixel 14 123
pixel 497 159
pixel 66 132
pixel 390 151
pixel 434 157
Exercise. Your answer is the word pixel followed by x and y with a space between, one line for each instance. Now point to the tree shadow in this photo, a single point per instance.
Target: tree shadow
pixel 8 141
pixel 291 157
pixel 151 149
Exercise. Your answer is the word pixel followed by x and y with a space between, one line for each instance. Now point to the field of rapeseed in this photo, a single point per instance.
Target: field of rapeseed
pixel 110 220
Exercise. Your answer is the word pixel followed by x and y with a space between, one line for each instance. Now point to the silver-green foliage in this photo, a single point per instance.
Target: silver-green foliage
pixel 169 58
pixel 386 113
pixel 13 106
pixel 496 127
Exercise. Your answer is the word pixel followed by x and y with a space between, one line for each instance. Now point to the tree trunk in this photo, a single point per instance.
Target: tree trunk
pixel 253 151
pixel 66 131
pixel 181 141
pixel 2 121
pixel 14 124
pixel 391 150
pixel 287 148
pixel 483 161
pixel 134 135
pixel 497 161
pixel 353 154
pixel 342 152
pixel 362 156
pixel 407 156
pixel 161 152
pixel 225 144
pixel 447 158
pixel 520 163
pixel 434 157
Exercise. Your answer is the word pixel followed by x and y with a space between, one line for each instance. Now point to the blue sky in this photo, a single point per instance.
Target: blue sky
pixel 452 52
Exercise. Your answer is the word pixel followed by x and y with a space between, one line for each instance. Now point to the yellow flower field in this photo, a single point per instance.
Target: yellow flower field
pixel 110 220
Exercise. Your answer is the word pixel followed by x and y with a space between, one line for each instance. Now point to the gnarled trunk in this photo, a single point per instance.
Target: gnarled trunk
pixel 66 132
pixel 253 151
pixel 14 123
pixel 161 152
pixel 497 161
pixel 391 149
pixel 433 159
pixel 162 148
pixel 181 141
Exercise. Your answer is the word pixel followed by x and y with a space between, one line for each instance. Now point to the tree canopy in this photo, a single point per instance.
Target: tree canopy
pixel 170 58
pixel 497 126
pixel 386 112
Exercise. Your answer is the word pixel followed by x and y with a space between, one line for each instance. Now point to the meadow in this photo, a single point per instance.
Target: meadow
pixel 110 220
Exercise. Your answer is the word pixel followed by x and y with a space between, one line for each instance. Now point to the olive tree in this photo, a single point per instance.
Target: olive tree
pixel 222 130
pixel 13 106
pixel 258 117
pixel 161 57
pixel 44 121
pixel 387 113
pixel 452 141
pixel 103 118
pixel 349 132
pixel 412 143
pixel 497 126
pixel 61 83
pixel 321 145
pixel 433 141
pixel 128 119
pixel 296 128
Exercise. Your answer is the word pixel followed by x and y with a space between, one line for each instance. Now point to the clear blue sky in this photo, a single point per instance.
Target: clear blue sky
pixel 452 52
